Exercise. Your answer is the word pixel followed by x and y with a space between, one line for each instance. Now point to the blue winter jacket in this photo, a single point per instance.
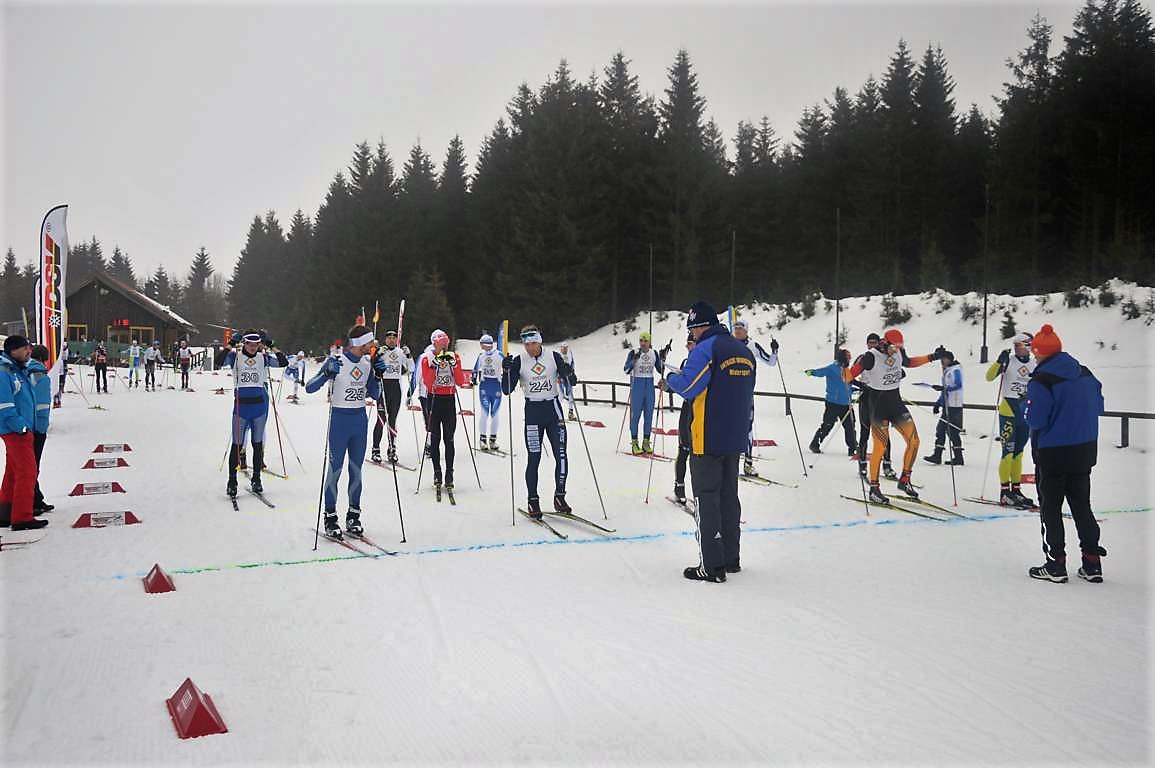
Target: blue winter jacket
pixel 719 377
pixel 42 392
pixel 837 390
pixel 1064 401
pixel 17 402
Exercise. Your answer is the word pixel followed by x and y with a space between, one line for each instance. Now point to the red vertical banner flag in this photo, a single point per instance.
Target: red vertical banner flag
pixel 51 314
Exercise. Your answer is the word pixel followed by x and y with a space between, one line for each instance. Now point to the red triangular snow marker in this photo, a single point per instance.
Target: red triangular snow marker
pixel 415 407
pixel 765 443
pixel 594 424
pixel 666 432
pixel 105 463
pixel 95 489
pixel 105 519
pixel 112 448
pixel 193 712
pixel 158 581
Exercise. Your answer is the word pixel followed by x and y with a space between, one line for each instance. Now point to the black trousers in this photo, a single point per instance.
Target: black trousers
pixel 1074 486
pixel 684 444
pixel 387 410
pixel 184 375
pixel 101 375
pixel 949 424
pixel 719 511
pixel 830 417
pixel 38 439
pixel 864 429
pixel 150 374
pixel 442 423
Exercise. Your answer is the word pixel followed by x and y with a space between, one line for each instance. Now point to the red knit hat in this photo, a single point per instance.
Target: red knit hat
pixel 893 336
pixel 1046 342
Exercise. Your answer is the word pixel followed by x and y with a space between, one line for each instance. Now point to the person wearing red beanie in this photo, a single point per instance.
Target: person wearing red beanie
pixel 1064 401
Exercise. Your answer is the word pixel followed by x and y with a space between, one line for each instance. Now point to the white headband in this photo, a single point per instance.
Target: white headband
pixel 531 338
pixel 361 340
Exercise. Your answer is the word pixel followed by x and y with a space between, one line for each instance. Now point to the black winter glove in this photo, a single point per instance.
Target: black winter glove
pixel 630 357
pixel 507 363
pixel 1004 358
pixel 938 352
pixel 773 346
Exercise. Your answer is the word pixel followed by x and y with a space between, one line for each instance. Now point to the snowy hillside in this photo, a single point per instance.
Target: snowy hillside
pixel 846 638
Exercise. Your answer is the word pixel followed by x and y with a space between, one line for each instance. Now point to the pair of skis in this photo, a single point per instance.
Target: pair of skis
pixel 646 456
pixel 924 508
pixel 373 549
pixel 759 480
pixel 448 491
pixel 564 516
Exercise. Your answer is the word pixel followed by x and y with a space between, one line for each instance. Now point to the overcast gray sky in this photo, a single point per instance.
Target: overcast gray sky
pixel 168 127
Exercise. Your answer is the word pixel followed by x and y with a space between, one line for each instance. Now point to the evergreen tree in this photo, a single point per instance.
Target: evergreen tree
pixel 11 298
pixel 120 268
pixel 898 133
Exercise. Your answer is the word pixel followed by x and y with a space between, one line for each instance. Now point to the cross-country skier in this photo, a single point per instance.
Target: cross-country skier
pixel 685 416
pixel 134 364
pixel 152 357
pixel 881 369
pixel 539 374
pixel 442 373
pixel 864 399
pixel 950 402
pixel 250 366
pixel 742 334
pixel 567 390
pixel 100 366
pixel 837 403
pixel 184 357
pixel 642 363
pixel 1013 369
pixel 390 364
pixel 487 379
pixel 353 381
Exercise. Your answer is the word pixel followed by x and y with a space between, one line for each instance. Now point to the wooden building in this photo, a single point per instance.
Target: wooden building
pixel 105 309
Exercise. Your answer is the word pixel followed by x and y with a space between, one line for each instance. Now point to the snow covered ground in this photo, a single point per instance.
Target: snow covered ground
pixel 846 638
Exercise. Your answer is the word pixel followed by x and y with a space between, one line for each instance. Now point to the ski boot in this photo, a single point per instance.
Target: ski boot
pixel 375 456
pixel 934 458
pixel 493 443
pixel 1007 497
pixel 1092 568
pixel 647 448
pixel 906 487
pixel 392 455
pixel 560 505
pixel 255 483
pixel 875 496
pixel 680 493
pixel 484 443
pixel 332 530
pixel 956 459
pixel 748 467
pixel 814 446
pixel 231 488
pixel 698 573
pixel 888 472
pixel 1025 502
pixel 353 522
pixel 635 448
pixel 1052 570
pixel 534 507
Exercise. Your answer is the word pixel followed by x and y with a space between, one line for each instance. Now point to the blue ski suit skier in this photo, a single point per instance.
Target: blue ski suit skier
pixel 487 379
pixel 540 374
pixel 719 378
pixel 837 404
pixel 350 372
pixel 250 364
pixel 641 364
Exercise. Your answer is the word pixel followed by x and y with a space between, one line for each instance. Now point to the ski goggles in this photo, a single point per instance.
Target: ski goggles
pixel 531 336
pixel 251 338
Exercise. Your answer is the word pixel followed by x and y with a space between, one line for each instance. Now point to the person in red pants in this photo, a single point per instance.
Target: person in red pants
pixel 17 417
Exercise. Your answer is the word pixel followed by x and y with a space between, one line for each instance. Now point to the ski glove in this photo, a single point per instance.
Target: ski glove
pixel 406 351
pixel 1004 359
pixel 507 363
pixel 935 409
pixel 808 372
pixel 773 346
pixel 331 367
pixel 936 387
pixel 938 352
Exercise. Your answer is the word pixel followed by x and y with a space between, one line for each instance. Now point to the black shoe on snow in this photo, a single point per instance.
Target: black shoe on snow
pixel 256 484
pixel 697 573
pixel 1052 570
pixel 560 505
pixel 534 506
pixel 734 567
pixel 680 492
pixel 814 447
pixel 1024 501
pixel 231 488
pixel 748 468
pixel 375 457
pixel 934 458
pixel 42 507
pixel 905 486
pixel 332 530
pixel 353 522
pixel 889 473
pixel 29 525
pixel 875 496
pixel 956 460
pixel 1092 568
pixel 1007 498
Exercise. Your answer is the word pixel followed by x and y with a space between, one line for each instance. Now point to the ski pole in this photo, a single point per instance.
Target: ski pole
pixel 509 399
pixel 790 413
pixel 80 389
pixel 428 436
pixel 280 445
pixel 994 431
pixel 324 470
pixel 622 429
pixel 400 516
pixel 468 440
pixel 589 458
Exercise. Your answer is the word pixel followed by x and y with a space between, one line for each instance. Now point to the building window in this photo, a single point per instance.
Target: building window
pixel 144 334
pixel 77 331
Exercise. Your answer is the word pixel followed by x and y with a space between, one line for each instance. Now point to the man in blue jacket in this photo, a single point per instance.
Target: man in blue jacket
pixel 17 417
pixel 719 378
pixel 42 391
pixel 837 404
pixel 1064 401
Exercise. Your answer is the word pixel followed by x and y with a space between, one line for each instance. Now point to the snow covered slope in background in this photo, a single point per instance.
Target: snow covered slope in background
pixel 847 637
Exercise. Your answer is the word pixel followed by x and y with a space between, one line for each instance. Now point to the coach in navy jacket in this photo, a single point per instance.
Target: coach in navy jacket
pixel 719 380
